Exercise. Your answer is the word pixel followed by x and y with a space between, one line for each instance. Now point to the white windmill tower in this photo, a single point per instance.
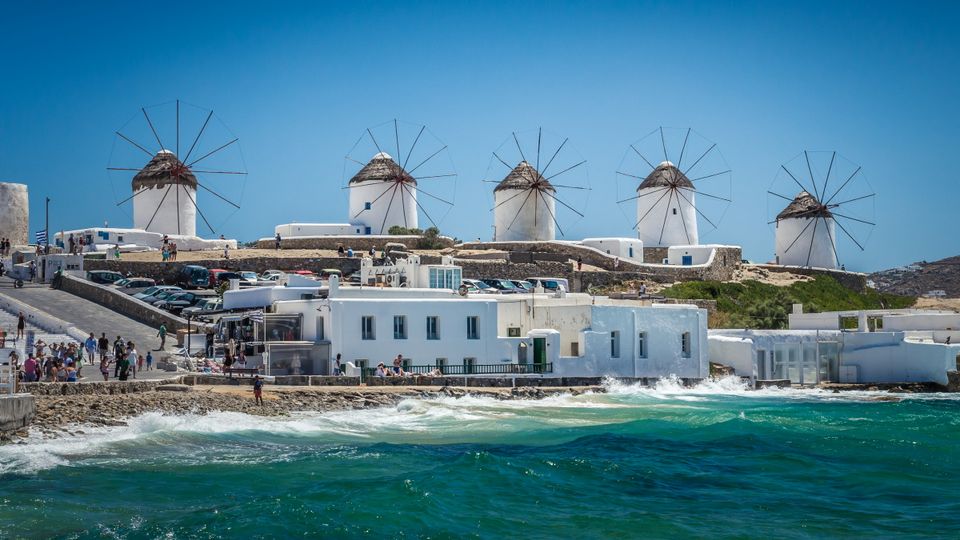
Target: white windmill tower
pixel 807 228
pixel 526 200
pixel 524 206
pixel 155 209
pixel 671 196
pixel 165 190
pixel 384 193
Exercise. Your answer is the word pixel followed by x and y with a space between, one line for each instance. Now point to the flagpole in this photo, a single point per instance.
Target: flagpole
pixel 46 227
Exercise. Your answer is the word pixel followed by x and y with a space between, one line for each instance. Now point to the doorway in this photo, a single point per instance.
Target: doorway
pixel 539 353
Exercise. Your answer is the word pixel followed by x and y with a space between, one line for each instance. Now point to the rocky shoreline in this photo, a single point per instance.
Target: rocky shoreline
pixel 70 414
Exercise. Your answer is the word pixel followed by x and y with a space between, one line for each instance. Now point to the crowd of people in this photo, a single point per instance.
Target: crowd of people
pixel 397 369
pixel 4 247
pixel 168 252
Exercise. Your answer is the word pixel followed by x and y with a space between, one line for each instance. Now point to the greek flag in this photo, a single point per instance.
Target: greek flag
pixel 255 316
pixel 42 237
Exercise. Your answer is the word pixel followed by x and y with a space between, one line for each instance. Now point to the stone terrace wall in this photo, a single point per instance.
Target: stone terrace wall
pixel 166 272
pixel 358 242
pixel 93 388
pixel 123 303
pixel 591 256
pixel 852 280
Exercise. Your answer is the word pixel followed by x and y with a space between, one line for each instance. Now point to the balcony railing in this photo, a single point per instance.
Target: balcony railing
pixel 474 369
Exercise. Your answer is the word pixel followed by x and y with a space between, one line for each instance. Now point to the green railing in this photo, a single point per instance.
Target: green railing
pixel 474 369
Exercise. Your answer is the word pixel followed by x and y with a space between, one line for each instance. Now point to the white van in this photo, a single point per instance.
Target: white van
pixel 549 283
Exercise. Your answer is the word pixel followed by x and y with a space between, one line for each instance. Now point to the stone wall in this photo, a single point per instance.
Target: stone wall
pixel 93 388
pixel 287 380
pixel 591 256
pixel 123 303
pixel 166 272
pixel 15 216
pixel 654 255
pixel 16 412
pixel 358 242
pixel 854 281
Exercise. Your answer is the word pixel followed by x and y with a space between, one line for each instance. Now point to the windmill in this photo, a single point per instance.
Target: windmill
pixel 807 227
pixel 165 190
pixel 526 200
pixel 384 192
pixel 670 196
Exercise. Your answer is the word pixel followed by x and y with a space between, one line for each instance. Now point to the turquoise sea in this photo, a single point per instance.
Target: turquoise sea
pixel 714 461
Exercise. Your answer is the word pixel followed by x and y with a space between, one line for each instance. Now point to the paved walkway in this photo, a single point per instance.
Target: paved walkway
pixel 88 316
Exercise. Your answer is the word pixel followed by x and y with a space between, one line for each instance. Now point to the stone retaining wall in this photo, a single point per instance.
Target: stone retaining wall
pixel 93 388
pixel 123 303
pixel 16 412
pixel 854 281
pixel 287 380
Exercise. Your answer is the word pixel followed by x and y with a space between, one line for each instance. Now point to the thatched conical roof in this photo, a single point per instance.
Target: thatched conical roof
pixel 523 176
pixel 382 168
pixel 804 205
pixel 164 169
pixel 666 174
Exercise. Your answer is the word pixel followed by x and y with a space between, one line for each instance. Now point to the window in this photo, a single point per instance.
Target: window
pixel 473 327
pixel 433 327
pixel 674 211
pixel 614 344
pixel 445 278
pixel 367 205
pixel 320 333
pixel 468 364
pixel 513 331
pixel 642 345
pixel 685 344
pixel 441 364
pixel 399 327
pixel 367 328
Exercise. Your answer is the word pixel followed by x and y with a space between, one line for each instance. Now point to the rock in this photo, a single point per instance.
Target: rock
pixel 174 388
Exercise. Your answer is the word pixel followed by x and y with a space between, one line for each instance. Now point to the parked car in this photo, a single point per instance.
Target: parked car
pixel 505 286
pixel 203 307
pixel 151 291
pixel 193 276
pixel 162 295
pixel 139 283
pixel 267 274
pixel 225 277
pixel 104 277
pixel 524 285
pixel 213 273
pixel 549 283
pixel 249 277
pixel 176 302
pixel 479 286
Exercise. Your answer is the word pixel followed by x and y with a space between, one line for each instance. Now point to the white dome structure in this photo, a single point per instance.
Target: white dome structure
pixel 524 207
pixel 165 194
pixel 806 234
pixel 383 195
pixel 666 208
pixel 15 217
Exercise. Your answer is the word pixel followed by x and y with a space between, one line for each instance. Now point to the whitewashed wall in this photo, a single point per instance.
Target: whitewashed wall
pixel 815 243
pixel 404 205
pixel 293 230
pixel 630 249
pixel 661 217
pixel 146 203
pixel 522 218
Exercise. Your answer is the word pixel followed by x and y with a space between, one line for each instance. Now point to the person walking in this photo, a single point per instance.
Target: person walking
pixel 103 344
pixel 91 347
pixel 278 240
pixel 119 352
pixel 105 367
pixel 338 368
pixel 162 334
pixel 258 390
pixel 149 361
pixel 132 358
pixel 21 325
pixel 579 263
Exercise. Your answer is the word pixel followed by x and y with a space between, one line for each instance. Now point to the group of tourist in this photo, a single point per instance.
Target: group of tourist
pixel 168 252
pixel 76 245
pixel 4 247
pixel 397 370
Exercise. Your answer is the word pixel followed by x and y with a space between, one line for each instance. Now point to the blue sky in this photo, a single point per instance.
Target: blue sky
pixel 298 83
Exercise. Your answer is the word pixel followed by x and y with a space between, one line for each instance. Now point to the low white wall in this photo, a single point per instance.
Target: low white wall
pixel 630 249
pixel 884 357
pixel 292 230
pixel 735 352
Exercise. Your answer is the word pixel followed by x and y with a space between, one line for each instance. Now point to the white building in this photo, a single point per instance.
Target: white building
pixel 666 212
pixel 524 207
pixel 871 346
pixel 629 249
pixel 806 234
pixel 105 239
pixel 536 334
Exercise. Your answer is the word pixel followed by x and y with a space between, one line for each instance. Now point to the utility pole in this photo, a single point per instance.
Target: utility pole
pixel 47 227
